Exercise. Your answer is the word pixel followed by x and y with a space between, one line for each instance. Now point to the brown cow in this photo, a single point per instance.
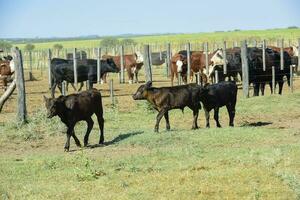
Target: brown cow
pixel 6 71
pixel 179 64
pixel 132 64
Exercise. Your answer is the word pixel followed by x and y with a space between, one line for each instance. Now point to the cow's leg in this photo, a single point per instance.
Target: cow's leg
pixel 90 124
pixel 136 77
pixel 262 89
pixel 69 134
pixel 216 116
pixel 77 142
pixel 271 88
pixel 231 113
pixel 167 120
pixel 195 115
pixel 256 89
pixel 207 118
pixel 80 87
pixel 280 83
pixel 53 90
pixel 130 76
pixel 158 118
pixel 101 125
pixel 73 86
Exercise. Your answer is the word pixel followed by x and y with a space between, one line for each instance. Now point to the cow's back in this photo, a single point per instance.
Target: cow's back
pixel 223 92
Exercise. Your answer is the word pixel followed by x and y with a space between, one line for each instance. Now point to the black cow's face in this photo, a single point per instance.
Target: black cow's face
pixel 51 106
pixel 112 67
pixel 141 91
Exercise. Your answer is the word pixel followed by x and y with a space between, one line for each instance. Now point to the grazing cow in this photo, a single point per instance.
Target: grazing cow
pixel 158 58
pixel 132 64
pixel 167 98
pixel 7 69
pixel 77 107
pixel 62 70
pixel 217 95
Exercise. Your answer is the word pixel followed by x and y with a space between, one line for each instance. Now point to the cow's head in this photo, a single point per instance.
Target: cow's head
pixel 295 51
pixel 139 57
pixel 52 106
pixel 141 92
pixel 111 65
pixel 180 63
pixel 216 59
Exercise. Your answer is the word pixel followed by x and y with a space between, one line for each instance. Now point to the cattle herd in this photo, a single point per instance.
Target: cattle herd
pixel 81 106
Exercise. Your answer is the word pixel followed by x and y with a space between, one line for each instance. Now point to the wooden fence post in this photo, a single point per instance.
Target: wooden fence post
pixel 225 60
pixel 245 69
pixel 49 69
pixel 168 62
pixel 122 78
pixel 20 84
pixel 111 92
pixel 98 65
pixel 281 55
pixel 30 66
pixel 147 63
pixel 216 76
pixel 291 79
pixel 188 50
pixel 264 54
pixel 273 79
pixel 298 68
pixel 206 58
pixel 63 88
pixel 75 65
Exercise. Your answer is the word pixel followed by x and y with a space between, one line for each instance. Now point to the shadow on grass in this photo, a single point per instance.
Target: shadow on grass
pixel 256 124
pixel 117 139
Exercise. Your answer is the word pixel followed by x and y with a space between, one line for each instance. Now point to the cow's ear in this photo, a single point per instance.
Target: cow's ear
pixel 70 103
pixel 148 84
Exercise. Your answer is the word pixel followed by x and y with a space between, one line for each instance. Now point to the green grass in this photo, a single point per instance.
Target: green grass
pixel 230 37
pixel 244 162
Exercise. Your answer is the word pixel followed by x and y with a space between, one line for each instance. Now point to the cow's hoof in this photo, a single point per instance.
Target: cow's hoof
pixel 155 130
pixel 194 128
pixel 101 142
pixel 66 149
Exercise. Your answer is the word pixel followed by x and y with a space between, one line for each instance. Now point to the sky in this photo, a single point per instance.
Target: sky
pixel 71 18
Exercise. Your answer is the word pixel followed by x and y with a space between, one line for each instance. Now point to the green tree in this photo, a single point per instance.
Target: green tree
pixel 128 41
pixel 5 45
pixel 29 47
pixel 109 42
pixel 58 47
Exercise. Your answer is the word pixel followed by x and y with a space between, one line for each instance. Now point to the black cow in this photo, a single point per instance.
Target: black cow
pixel 158 58
pixel 259 77
pixel 167 98
pixel 62 70
pixel 217 95
pixel 77 107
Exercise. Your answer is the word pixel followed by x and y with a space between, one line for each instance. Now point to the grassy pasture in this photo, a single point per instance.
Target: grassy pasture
pixel 257 159
pixel 272 35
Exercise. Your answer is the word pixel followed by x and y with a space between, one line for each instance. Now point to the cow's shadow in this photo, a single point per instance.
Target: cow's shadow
pixel 117 139
pixel 256 124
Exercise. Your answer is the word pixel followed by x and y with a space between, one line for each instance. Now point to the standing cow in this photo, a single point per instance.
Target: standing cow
pixel 77 107
pixel 216 96
pixel 165 99
pixel 132 64
pixel 63 70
